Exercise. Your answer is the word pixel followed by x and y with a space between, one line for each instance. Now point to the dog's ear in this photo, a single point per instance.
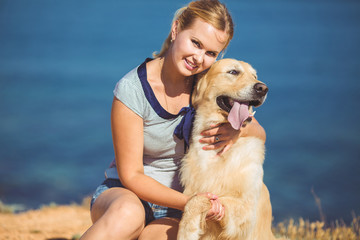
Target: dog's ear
pixel 199 88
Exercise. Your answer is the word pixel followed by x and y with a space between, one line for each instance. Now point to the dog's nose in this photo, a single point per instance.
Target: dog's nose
pixel 261 89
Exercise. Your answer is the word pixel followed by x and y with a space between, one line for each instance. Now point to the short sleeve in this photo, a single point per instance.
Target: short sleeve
pixel 129 91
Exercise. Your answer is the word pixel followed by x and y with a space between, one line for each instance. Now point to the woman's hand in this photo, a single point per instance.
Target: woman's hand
pixel 223 136
pixel 217 211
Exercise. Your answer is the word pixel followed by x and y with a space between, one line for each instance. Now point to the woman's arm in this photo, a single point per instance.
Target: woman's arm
pixel 127 130
pixel 227 135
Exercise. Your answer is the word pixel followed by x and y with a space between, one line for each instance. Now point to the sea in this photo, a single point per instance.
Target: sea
pixel 60 61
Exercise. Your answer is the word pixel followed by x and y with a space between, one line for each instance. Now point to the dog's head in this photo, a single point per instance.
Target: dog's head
pixel 231 87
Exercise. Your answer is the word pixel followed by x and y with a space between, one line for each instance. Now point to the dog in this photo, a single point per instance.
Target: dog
pixel 226 93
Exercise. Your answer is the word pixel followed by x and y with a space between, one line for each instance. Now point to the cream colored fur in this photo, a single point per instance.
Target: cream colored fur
pixel 236 176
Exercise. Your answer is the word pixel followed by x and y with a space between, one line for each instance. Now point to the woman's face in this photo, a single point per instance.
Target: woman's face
pixel 196 48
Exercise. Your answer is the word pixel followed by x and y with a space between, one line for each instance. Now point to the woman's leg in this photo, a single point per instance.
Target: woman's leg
pixel 161 229
pixel 116 214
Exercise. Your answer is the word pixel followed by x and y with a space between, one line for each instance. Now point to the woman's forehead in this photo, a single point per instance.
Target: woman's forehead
pixel 209 36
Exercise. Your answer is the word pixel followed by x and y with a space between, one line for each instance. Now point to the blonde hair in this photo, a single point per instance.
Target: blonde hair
pixel 210 11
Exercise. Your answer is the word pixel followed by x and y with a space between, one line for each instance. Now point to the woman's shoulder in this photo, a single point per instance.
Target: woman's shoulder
pixel 137 74
pixel 130 77
pixel 130 92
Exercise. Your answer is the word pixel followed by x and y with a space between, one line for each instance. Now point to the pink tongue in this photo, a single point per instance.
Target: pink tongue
pixel 238 114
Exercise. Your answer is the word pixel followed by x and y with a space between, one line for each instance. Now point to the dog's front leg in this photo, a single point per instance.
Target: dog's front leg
pixel 240 217
pixel 193 223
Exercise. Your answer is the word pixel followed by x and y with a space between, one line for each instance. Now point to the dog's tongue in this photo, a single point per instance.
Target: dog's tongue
pixel 238 114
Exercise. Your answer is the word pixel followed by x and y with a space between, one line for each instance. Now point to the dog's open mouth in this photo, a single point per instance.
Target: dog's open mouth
pixel 226 103
pixel 238 110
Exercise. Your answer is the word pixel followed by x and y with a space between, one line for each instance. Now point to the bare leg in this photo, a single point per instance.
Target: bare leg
pixel 117 214
pixel 161 229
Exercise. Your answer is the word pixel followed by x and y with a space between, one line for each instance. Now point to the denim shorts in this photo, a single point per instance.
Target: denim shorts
pixel 152 211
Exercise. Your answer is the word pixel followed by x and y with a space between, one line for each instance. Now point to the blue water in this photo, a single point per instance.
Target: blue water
pixel 60 60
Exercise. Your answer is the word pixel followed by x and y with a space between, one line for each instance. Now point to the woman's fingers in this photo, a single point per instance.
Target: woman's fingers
pixel 221 213
pixel 216 212
pixel 212 212
pixel 218 145
pixel 213 139
pixel 212 131
pixel 221 133
pixel 210 196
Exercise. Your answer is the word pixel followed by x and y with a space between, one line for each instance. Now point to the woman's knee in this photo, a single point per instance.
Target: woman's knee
pixel 127 209
pixel 120 212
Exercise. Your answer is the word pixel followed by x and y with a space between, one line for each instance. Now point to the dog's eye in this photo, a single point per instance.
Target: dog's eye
pixel 233 72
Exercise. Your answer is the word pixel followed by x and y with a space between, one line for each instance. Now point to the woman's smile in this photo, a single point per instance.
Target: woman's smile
pixel 189 65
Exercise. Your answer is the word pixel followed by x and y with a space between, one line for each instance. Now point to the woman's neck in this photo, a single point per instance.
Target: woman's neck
pixel 174 83
pixel 172 90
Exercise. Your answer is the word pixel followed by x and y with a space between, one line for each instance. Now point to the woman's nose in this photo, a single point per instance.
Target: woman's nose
pixel 199 57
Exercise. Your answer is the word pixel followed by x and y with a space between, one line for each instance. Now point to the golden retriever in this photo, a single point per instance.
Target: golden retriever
pixel 226 92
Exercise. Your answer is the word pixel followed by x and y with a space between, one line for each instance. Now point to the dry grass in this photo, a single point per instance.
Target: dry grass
pixel 51 221
pixel 293 230
pixel 306 230
pixel 319 230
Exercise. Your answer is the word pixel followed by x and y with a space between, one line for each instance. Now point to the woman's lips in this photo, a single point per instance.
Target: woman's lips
pixel 190 66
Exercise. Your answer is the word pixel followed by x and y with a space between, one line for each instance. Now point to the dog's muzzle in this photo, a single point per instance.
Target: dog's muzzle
pixel 238 109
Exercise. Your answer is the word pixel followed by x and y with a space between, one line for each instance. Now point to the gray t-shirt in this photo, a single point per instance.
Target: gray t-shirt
pixel 162 149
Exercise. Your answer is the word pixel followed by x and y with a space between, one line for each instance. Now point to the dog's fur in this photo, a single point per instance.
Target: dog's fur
pixel 236 176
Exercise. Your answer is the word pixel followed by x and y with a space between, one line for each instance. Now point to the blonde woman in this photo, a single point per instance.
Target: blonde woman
pixel 141 197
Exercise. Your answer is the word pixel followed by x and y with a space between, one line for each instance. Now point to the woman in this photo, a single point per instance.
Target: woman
pixel 145 112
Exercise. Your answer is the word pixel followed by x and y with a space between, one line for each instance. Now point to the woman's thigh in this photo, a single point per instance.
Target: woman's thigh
pixel 161 229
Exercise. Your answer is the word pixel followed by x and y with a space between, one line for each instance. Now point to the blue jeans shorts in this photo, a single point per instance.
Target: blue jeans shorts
pixel 152 211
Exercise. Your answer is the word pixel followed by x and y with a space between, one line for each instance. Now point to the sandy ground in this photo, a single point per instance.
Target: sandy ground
pixel 48 223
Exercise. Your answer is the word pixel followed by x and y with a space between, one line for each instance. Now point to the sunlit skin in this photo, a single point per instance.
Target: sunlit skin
pixel 192 51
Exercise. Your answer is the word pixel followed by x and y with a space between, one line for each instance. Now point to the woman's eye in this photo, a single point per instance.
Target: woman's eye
pixel 211 54
pixel 234 72
pixel 196 43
